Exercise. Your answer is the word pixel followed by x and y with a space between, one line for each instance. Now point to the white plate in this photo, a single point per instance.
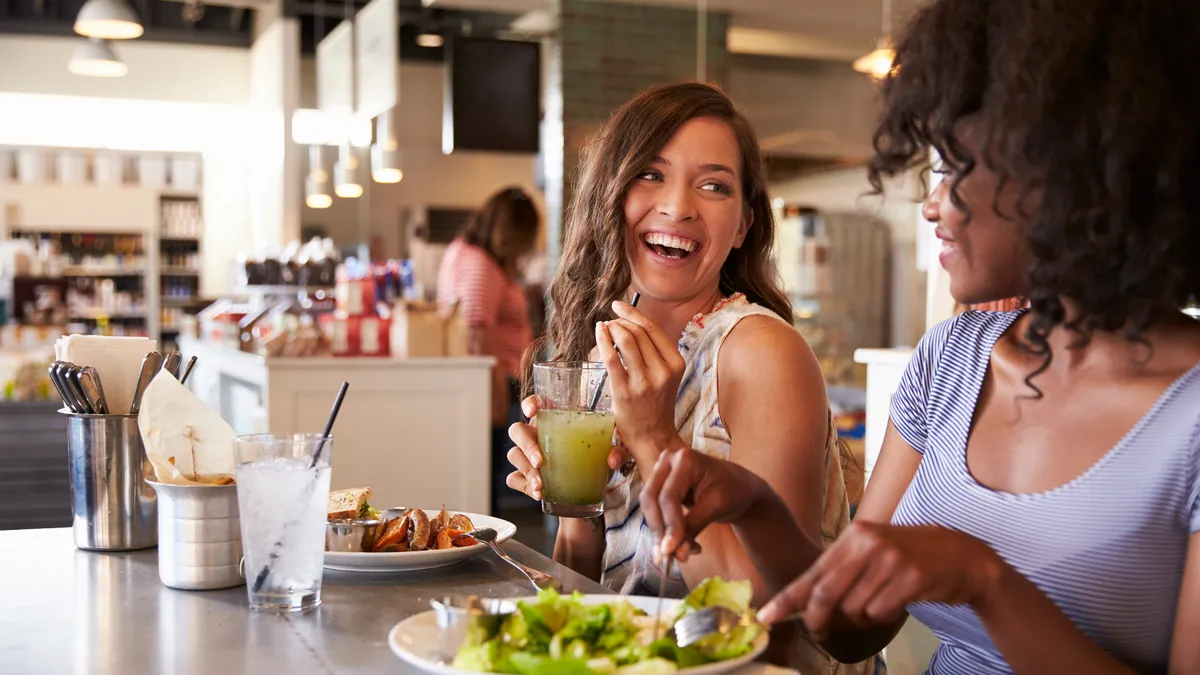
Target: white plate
pixel 411 561
pixel 415 639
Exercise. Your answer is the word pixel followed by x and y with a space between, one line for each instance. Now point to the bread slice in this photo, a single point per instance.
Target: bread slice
pixel 345 504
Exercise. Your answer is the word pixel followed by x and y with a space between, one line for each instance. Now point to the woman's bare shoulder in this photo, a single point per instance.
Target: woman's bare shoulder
pixel 762 351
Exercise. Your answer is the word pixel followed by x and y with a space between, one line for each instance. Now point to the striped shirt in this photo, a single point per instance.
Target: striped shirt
pixel 490 299
pixel 1107 547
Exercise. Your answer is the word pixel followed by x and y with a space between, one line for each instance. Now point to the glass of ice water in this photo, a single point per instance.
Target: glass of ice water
pixel 282 499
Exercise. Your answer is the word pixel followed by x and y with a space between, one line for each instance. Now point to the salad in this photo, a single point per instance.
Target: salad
pixel 560 635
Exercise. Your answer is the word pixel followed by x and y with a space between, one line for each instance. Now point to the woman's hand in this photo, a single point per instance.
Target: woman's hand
pixel 527 456
pixel 645 386
pixel 688 491
pixel 873 571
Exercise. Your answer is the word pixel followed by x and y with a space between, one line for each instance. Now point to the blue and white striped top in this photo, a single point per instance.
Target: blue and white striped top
pixel 1108 547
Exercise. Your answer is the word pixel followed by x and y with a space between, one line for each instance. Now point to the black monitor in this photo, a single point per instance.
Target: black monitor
pixel 493 95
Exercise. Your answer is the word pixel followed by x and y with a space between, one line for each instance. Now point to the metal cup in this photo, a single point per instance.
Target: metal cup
pixel 199 536
pixel 112 508
pixel 461 615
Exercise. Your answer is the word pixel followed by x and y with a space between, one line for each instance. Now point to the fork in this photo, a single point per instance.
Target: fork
pixel 719 620
pixel 539 579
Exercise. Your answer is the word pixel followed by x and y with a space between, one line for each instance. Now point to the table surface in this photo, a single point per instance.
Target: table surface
pixel 63 610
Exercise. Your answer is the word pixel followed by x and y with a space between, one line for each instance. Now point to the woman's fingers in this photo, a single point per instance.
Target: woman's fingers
pixel 525 438
pixel 530 480
pixel 656 367
pixel 666 347
pixel 627 345
pixel 873 579
pixel 530 408
pixel 677 485
pixel 653 504
pixel 617 457
pixel 618 379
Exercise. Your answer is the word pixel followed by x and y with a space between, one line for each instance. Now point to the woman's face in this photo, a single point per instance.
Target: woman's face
pixel 685 212
pixel 985 255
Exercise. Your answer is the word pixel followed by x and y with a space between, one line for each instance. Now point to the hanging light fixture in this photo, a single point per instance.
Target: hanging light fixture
pixel 96 58
pixel 346 183
pixel 879 63
pixel 316 186
pixel 430 40
pixel 385 154
pixel 108 19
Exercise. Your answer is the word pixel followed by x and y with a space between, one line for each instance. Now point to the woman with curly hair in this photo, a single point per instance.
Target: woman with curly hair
pixel 671 203
pixel 1037 499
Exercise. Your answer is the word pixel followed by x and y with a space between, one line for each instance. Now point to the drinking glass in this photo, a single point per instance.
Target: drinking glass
pixel 283 490
pixel 574 435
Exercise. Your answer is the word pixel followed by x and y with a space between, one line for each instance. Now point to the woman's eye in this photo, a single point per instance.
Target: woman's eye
pixel 649 175
pixel 718 187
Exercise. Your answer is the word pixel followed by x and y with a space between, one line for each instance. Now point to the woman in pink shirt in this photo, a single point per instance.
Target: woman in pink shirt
pixel 480 271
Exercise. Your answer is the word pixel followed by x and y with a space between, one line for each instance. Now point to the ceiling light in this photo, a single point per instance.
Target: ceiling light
pixel 879 63
pixel 430 40
pixel 96 58
pixel 316 185
pixel 346 183
pixel 385 154
pixel 108 19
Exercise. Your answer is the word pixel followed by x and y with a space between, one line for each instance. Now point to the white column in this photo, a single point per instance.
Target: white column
pixel 276 163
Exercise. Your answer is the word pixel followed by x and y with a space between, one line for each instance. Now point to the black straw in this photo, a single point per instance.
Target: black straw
pixel 604 377
pixel 337 405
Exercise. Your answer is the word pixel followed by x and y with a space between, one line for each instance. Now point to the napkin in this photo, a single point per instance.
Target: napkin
pixel 185 440
pixel 117 359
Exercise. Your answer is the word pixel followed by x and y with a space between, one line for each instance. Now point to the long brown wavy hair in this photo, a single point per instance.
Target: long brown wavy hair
pixel 593 270
pixel 506 228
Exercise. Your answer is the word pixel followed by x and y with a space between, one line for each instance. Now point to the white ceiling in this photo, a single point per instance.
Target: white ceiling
pixel 823 29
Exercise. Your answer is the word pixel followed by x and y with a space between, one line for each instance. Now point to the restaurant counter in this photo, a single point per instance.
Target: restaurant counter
pixel 417 431
pixel 72 611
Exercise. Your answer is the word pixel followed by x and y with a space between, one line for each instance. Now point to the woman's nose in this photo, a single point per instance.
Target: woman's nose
pixel 931 207
pixel 677 203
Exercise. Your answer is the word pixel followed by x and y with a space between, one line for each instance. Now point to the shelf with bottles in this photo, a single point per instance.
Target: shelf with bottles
pixel 88 254
pixel 180 219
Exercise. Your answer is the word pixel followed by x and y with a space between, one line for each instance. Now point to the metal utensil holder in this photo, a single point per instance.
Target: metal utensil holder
pixel 112 507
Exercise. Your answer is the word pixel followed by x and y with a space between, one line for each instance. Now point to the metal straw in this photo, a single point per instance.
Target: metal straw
pixel 337 405
pixel 604 376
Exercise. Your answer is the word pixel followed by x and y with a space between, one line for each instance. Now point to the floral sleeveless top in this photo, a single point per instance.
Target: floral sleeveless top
pixel 628 565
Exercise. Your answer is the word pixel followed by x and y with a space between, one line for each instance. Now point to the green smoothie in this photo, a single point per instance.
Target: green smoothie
pixel 575 446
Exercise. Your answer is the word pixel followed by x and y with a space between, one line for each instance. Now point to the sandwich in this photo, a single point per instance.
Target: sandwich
pixel 351 504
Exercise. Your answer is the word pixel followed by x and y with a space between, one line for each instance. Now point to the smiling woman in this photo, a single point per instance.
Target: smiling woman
pixel 671 203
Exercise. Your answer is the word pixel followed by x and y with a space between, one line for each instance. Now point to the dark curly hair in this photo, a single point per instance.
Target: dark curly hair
pixel 1094 107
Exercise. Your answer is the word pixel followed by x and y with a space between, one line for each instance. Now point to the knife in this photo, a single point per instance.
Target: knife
pixel 150 367
pixel 187 370
pixel 171 363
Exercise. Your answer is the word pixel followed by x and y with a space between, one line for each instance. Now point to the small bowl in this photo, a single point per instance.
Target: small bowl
pixel 350 536
pixel 458 615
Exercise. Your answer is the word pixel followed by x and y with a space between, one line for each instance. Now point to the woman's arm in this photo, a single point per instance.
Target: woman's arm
pixel 772 401
pixel 580 545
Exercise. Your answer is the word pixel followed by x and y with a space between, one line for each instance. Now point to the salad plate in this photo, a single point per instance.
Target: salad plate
pixel 412 561
pixel 415 641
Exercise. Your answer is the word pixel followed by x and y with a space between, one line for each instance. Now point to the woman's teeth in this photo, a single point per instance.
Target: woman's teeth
pixel 669 246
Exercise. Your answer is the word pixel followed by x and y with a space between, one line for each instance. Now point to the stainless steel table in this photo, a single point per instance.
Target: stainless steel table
pixel 63 610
